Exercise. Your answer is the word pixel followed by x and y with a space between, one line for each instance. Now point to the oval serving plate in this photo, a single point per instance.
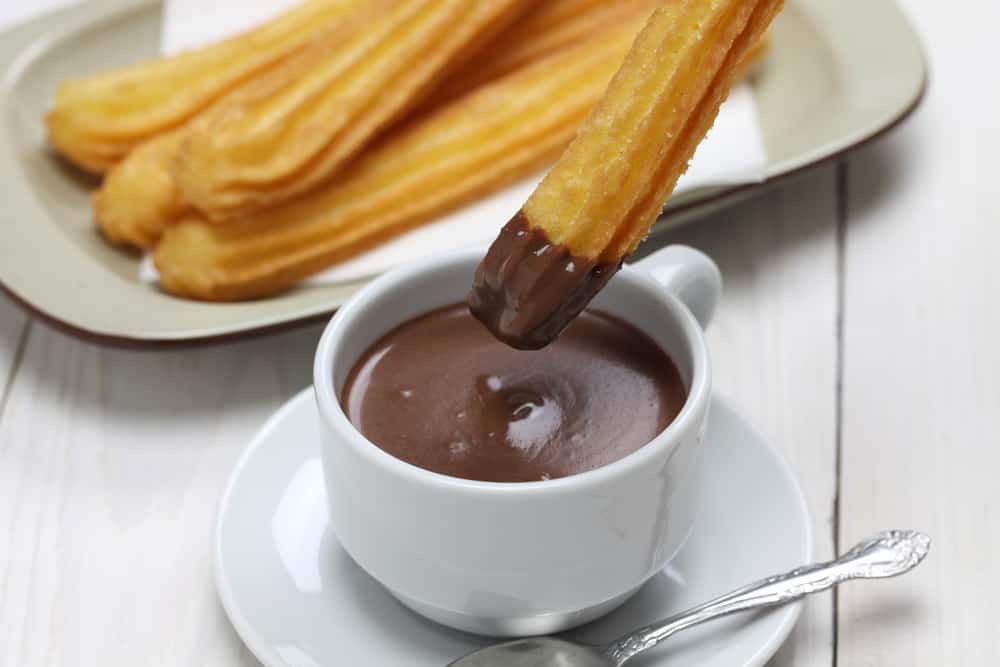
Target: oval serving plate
pixel 838 75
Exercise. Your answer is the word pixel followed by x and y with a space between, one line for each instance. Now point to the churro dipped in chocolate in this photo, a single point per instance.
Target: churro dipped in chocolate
pixel 599 201
pixel 97 120
pixel 243 158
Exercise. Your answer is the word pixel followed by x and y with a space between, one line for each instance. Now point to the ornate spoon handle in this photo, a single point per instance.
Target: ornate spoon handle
pixel 887 554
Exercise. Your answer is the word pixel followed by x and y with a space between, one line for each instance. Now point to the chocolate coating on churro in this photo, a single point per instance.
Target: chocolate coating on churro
pixel 527 289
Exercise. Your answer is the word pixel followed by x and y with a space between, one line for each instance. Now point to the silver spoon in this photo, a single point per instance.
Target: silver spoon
pixel 888 554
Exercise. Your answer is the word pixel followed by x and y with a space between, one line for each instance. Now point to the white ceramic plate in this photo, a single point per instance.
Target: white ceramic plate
pixel 838 74
pixel 298 600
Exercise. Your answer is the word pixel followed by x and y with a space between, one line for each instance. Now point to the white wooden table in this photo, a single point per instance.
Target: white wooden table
pixel 860 328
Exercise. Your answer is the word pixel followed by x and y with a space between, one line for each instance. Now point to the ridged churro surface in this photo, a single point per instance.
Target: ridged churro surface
pixel 244 158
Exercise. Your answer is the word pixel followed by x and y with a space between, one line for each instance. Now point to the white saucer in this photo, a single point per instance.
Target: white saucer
pixel 298 600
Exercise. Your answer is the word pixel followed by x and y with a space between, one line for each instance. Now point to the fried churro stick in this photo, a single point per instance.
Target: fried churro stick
pixel 475 145
pixel 241 159
pixel 96 121
pixel 138 194
pixel 601 198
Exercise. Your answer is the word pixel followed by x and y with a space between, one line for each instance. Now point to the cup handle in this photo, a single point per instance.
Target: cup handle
pixel 690 275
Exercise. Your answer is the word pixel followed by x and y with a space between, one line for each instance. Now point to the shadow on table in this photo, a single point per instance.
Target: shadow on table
pixel 755 238
pixel 203 385
pixel 11 333
pixel 878 172
pixel 794 215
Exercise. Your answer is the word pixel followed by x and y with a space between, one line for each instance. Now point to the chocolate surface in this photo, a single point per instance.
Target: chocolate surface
pixel 442 393
pixel 527 289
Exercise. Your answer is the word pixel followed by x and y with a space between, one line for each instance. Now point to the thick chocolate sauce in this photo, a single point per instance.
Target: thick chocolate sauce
pixel 527 289
pixel 442 393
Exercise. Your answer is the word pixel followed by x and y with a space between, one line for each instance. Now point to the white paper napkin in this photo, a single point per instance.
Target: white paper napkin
pixel 189 24
pixel 733 153
pixel 13 12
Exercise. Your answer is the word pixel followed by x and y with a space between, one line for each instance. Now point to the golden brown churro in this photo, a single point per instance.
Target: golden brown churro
pixel 138 195
pixel 241 159
pixel 96 121
pixel 473 146
pixel 601 198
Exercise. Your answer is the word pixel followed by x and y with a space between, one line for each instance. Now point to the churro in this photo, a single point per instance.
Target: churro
pixel 243 158
pixel 138 195
pixel 97 120
pixel 478 143
pixel 605 192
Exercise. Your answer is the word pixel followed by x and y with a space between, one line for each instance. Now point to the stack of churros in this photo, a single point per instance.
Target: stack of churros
pixel 251 164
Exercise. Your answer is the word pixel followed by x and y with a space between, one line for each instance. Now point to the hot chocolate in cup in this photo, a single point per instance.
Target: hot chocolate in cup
pixel 521 558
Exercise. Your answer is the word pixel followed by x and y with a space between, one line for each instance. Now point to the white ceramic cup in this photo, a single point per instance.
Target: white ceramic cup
pixel 509 559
